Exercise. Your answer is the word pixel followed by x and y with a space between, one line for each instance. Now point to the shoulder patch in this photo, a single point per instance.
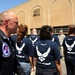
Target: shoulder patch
pixel 5 50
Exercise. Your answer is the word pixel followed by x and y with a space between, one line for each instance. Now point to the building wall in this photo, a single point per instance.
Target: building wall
pixel 36 13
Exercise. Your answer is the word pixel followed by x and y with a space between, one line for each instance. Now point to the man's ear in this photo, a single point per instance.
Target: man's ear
pixel 6 22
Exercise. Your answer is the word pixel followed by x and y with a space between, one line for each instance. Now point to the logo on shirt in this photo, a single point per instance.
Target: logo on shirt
pixel 20 48
pixel 69 47
pixel 41 56
pixel 5 50
pixel 53 39
pixel 33 41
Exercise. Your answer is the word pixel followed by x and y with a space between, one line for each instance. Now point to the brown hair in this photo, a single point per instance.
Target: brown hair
pixel 71 29
pixel 22 31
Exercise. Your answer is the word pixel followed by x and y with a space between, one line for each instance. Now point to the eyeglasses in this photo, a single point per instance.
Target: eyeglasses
pixel 13 21
pixel 1 21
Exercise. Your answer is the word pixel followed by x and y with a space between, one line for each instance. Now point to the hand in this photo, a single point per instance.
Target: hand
pixel 32 69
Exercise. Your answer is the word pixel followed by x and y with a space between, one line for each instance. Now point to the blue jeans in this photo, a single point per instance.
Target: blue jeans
pixel 42 71
pixel 26 67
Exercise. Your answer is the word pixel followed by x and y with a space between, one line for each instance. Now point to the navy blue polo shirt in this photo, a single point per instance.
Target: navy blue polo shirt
pixel 46 52
pixel 24 50
pixel 34 38
pixel 55 39
pixel 69 45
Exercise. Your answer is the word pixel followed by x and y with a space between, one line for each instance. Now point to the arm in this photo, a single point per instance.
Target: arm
pixel 30 54
pixel 34 61
pixel 31 63
pixel 56 54
pixel 58 65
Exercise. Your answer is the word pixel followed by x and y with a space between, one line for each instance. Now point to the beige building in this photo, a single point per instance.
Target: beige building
pixel 36 13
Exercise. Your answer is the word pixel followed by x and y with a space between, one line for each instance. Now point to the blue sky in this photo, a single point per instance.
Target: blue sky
pixel 7 4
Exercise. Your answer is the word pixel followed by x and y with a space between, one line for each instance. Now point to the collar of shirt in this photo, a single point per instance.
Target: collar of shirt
pixel 3 35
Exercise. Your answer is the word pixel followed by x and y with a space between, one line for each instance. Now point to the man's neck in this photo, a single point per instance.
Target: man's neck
pixel 5 31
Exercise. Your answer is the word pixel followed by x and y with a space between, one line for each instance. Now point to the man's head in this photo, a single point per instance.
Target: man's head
pixel 8 22
pixel 61 32
pixel 34 31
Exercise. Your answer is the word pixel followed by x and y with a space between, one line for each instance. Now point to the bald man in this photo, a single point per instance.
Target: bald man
pixel 8 62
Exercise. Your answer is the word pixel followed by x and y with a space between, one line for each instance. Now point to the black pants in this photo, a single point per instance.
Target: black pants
pixel 69 61
pixel 42 71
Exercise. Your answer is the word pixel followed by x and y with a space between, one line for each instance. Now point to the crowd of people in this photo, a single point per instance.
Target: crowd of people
pixel 19 54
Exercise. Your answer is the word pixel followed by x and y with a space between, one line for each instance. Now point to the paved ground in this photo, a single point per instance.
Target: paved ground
pixel 63 68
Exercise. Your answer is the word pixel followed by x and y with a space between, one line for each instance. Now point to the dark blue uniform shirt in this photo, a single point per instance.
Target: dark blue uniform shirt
pixel 24 49
pixel 69 45
pixel 55 39
pixel 47 53
pixel 34 38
